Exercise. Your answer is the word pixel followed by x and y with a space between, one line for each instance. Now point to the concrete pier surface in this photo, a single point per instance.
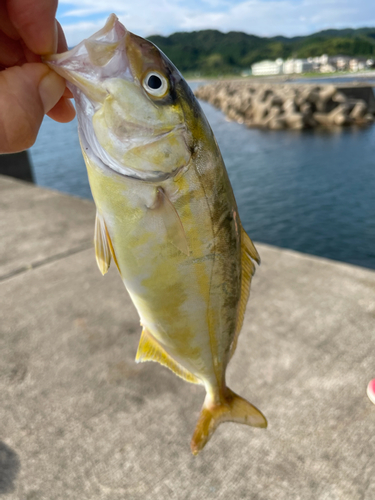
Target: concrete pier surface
pixel 80 420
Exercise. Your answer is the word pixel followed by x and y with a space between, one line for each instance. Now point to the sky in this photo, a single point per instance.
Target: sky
pixel 81 18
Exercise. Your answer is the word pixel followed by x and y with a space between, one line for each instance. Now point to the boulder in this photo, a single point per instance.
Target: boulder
pixel 296 106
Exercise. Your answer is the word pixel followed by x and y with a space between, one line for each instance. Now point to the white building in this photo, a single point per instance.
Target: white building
pixel 327 68
pixel 342 62
pixel 297 66
pixel 302 66
pixel 323 64
pixel 268 67
pixel 357 64
pixel 288 67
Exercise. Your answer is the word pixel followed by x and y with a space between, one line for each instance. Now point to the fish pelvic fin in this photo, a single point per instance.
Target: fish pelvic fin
pixel 232 408
pixel 103 245
pixel 248 254
pixel 149 349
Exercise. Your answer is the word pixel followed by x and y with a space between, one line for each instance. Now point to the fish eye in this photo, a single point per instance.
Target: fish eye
pixel 155 84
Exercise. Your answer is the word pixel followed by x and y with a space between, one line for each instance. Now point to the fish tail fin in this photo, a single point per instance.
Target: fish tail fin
pixel 233 408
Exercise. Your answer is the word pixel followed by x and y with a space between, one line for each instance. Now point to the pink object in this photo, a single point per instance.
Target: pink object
pixel 371 391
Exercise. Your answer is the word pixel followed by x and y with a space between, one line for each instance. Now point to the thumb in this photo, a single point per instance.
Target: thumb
pixel 26 93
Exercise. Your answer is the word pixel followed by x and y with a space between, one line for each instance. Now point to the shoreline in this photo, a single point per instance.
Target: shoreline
pixel 362 76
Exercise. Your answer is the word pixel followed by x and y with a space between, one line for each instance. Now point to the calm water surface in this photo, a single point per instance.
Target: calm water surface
pixel 311 191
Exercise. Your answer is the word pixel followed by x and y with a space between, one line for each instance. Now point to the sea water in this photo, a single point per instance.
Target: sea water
pixel 311 190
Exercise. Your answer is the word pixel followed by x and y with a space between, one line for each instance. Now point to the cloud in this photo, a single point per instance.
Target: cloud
pixel 81 18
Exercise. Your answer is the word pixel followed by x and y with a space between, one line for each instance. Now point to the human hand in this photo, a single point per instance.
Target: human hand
pixel 29 89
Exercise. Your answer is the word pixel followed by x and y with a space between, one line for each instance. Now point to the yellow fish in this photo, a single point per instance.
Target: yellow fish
pixel 166 213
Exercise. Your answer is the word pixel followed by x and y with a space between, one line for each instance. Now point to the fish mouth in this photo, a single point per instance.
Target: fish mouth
pixel 95 59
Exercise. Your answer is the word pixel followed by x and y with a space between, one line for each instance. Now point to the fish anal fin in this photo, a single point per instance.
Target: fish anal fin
pixel 172 222
pixel 103 245
pixel 149 349
pixel 233 408
pixel 248 252
pixel 249 246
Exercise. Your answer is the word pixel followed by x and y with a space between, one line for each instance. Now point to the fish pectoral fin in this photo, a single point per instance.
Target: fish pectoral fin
pixel 248 252
pixel 149 349
pixel 102 249
pixel 172 222
pixel 103 245
pixel 233 408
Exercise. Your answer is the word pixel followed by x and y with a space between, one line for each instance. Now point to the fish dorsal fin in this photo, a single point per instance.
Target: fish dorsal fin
pixel 149 349
pixel 172 222
pixel 248 252
pixel 103 245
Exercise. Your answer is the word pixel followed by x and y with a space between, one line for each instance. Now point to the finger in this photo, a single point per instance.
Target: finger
pixel 30 56
pixel 62 46
pixel 11 52
pixel 68 93
pixel 63 111
pixel 5 23
pixel 35 22
pixel 26 93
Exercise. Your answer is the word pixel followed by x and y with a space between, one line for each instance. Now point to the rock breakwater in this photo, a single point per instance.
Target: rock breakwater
pixel 278 106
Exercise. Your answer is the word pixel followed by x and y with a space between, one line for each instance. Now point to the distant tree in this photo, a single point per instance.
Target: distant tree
pixel 213 52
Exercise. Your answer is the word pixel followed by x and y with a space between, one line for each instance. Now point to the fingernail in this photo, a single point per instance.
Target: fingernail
pixel 51 88
pixel 69 104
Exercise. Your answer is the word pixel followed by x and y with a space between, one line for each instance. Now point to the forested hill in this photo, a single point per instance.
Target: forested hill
pixel 211 51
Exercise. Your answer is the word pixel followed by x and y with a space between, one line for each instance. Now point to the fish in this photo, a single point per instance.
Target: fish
pixel 166 213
